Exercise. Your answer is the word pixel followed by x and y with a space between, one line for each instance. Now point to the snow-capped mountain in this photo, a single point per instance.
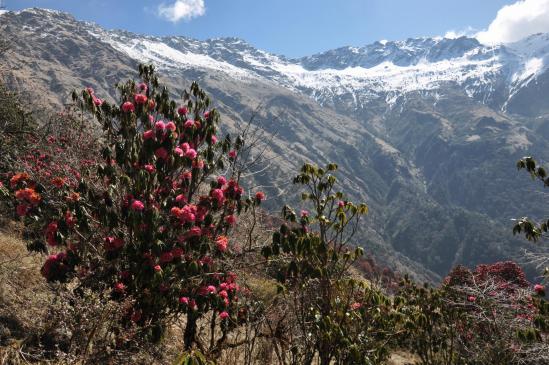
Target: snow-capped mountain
pixel 426 131
pixel 382 69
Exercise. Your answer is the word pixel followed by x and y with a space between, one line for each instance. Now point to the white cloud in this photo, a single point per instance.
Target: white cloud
pixel 453 34
pixel 182 9
pixel 516 21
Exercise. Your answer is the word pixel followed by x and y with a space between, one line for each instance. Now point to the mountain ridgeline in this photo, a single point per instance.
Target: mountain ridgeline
pixel 426 131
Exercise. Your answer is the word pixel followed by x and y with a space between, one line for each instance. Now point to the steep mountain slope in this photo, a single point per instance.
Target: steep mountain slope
pixel 422 129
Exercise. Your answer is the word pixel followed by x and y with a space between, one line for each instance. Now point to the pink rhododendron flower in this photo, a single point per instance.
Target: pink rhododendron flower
pixel 221 243
pixel 232 154
pixel 159 126
pixel 304 213
pixel 217 194
pixel 137 205
pixel 180 199
pixel 178 151
pixel 185 146
pixel 341 204
pixel 471 298
pixel 213 139
pixel 184 300
pixel 97 101
pixel 142 86
pixel 148 134
pixel 538 288
pixel 221 180
pixel 223 294
pixel 182 111
pixel 128 107
pixel 157 268
pixel 206 115
pixel 189 123
pixel 140 99
pixel 191 153
pixel 211 289
pixel 171 126
pixel 223 315
pixel 149 168
pixel 356 306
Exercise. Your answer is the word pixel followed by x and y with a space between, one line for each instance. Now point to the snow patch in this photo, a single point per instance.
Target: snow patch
pixel 473 138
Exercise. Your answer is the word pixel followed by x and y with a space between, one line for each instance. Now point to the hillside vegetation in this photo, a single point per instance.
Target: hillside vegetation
pixel 129 236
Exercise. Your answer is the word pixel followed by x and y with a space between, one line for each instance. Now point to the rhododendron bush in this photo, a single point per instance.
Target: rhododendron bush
pixel 149 218
pixel 482 316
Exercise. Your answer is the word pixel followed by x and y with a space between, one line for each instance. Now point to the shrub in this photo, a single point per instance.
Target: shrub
pixel 333 315
pixel 148 220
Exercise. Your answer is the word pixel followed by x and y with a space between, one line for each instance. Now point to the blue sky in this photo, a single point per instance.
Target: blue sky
pixel 289 27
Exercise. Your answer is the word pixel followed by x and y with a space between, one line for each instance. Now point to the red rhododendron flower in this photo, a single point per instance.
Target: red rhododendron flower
pixel 161 153
pixel 140 99
pixel 58 182
pixel 128 107
pixel 260 196
pixel 166 257
pixel 17 178
pixel 177 252
pixel 149 168
pixel 230 219
pixel 137 205
pixel 221 181
pixel 119 287
pixel 184 300
pixel 182 111
pixel 22 209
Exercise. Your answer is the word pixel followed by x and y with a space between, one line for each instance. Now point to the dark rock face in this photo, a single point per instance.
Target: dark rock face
pixel 426 131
